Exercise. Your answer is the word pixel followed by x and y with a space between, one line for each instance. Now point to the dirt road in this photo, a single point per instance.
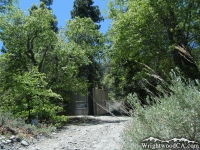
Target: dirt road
pixel 86 133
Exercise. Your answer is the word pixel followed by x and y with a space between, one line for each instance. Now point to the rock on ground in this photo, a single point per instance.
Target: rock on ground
pixel 89 133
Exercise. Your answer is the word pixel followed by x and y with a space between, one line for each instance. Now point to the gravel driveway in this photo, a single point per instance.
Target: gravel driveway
pixel 86 133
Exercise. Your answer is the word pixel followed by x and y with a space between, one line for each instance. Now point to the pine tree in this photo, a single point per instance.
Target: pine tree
pixel 84 8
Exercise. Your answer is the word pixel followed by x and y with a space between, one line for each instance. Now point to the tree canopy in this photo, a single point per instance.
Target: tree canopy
pixel 40 67
pixel 84 8
pixel 159 34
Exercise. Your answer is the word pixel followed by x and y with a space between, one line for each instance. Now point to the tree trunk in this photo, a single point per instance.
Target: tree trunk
pixel 90 95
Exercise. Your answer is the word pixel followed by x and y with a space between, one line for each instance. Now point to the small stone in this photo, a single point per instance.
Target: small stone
pixel 8 141
pixel 103 140
pixel 2 137
pixel 74 142
pixel 12 137
pixel 4 142
pixel 24 143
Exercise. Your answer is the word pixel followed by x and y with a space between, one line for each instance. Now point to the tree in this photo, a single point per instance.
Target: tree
pixel 92 71
pixel 39 66
pixel 148 33
pixel 84 8
pixel 54 23
pixel 24 63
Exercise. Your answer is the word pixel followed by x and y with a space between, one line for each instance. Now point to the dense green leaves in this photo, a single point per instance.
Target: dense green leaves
pixel 40 67
pixel 147 32
pixel 29 41
pixel 82 32
pixel 86 34
pixel 53 23
pixel 84 9
pixel 30 97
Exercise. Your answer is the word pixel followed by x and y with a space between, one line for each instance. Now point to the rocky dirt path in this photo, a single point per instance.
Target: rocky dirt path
pixel 86 133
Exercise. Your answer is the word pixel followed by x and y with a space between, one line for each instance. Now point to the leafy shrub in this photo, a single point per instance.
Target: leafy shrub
pixel 174 116
pixel 29 97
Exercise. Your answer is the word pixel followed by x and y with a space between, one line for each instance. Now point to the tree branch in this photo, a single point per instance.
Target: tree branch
pixel 30 47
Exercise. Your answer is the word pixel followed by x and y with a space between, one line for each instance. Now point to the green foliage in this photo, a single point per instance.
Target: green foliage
pixel 82 34
pixel 47 2
pixel 86 32
pixel 4 5
pixel 146 31
pixel 40 68
pixel 30 97
pixel 177 115
pixel 24 89
pixel 54 22
pixel 84 9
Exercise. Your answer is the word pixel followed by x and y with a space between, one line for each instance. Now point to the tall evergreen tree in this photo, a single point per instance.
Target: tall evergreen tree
pixel 85 9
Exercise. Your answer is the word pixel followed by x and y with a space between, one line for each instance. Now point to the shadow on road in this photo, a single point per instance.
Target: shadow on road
pixel 91 120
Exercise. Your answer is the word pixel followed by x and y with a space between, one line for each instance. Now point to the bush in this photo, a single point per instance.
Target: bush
pixel 29 97
pixel 174 116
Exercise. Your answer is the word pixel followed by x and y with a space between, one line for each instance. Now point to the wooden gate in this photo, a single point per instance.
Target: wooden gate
pixel 79 104
pixel 100 98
